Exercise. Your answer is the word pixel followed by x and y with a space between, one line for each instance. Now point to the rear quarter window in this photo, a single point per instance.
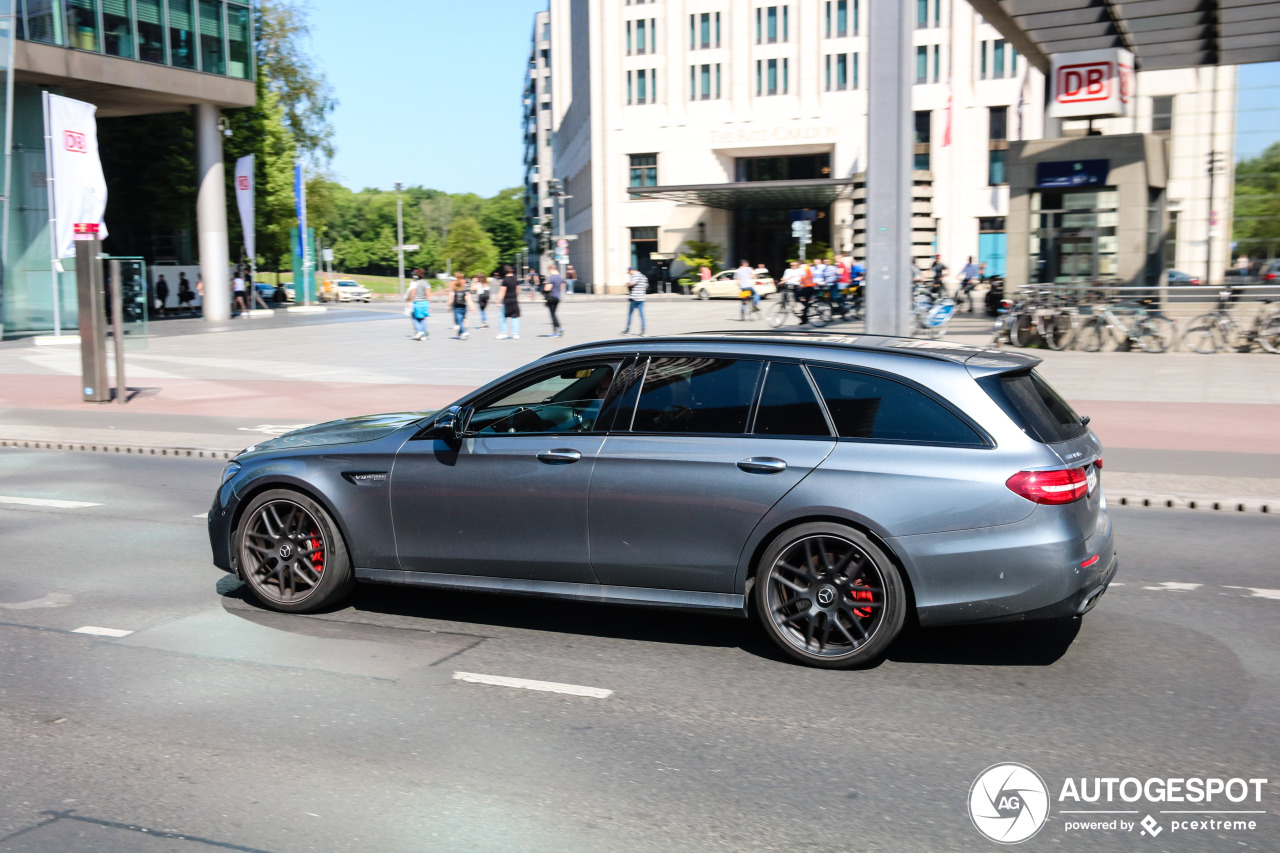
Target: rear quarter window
pixel 1034 406
pixel 868 406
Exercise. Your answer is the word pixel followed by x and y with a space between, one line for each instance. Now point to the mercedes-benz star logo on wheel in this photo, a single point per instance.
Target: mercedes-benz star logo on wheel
pixel 286 551
pixel 1008 803
pixel 826 595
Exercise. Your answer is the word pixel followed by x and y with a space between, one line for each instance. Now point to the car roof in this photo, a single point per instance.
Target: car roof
pixel 946 351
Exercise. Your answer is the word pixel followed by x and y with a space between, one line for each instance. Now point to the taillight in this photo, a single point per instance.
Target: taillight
pixel 1050 487
pixel 1270 276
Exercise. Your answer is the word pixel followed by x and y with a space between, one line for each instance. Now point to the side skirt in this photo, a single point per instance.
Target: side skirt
pixel 672 599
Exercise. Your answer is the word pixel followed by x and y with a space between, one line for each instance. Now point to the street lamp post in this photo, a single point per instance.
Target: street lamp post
pixel 400 236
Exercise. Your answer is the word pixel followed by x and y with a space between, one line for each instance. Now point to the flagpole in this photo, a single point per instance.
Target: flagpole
pixel 53 219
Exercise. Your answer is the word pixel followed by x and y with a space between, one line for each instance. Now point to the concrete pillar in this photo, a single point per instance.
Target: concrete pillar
pixel 890 156
pixel 211 215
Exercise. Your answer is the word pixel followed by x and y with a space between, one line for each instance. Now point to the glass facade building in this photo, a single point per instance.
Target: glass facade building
pixel 213 36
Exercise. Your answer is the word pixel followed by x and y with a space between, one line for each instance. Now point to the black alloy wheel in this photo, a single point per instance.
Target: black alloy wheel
pixel 829 597
pixel 291 554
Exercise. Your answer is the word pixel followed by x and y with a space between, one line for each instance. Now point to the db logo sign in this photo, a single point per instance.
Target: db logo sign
pixel 1091 81
pixel 76 142
pixel 242 183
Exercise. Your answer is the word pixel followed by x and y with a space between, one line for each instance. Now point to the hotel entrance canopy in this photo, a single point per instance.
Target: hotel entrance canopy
pixel 1159 33
pixel 754 195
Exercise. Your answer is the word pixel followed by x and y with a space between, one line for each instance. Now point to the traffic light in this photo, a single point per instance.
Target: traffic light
pixel 554 187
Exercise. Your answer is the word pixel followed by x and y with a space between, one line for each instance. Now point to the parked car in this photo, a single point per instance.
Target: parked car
pixel 275 293
pixel 1177 279
pixel 1269 272
pixel 344 290
pixel 830 486
pixel 723 285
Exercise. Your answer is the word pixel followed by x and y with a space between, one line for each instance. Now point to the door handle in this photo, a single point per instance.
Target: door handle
pixel 762 465
pixel 559 456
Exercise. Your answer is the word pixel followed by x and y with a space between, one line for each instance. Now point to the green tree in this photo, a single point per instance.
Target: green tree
pixel 702 253
pixel 260 130
pixel 282 29
pixel 470 247
pixel 502 216
pixel 1257 204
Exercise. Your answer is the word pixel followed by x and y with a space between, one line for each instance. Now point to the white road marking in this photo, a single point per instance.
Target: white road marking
pixel 1259 593
pixel 1175 586
pixel 101 632
pixel 526 684
pixel 9 499
pixel 201 515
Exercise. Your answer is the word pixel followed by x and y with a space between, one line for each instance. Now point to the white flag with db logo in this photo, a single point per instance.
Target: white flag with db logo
pixel 79 187
pixel 244 200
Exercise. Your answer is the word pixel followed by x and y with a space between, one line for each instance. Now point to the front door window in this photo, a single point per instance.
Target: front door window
pixel 566 400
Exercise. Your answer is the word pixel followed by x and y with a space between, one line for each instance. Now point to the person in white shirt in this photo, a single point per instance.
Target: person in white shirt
pixel 639 284
pixel 745 276
pixel 237 287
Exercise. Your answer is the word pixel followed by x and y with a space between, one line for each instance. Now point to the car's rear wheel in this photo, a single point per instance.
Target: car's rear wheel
pixel 291 553
pixel 829 597
pixel 703 294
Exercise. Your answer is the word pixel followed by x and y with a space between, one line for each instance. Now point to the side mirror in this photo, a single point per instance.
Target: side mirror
pixel 447 425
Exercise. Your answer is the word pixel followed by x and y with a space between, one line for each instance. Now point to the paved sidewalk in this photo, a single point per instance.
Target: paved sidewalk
pixel 1177 424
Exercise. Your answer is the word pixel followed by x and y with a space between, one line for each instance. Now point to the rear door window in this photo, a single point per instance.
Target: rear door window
pixel 788 405
pixel 868 406
pixel 1034 406
pixel 696 394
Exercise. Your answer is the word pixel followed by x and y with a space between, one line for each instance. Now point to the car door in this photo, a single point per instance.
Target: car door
pixel 676 494
pixel 508 498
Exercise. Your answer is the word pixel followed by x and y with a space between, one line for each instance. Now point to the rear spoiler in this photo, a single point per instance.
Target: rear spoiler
pixel 992 361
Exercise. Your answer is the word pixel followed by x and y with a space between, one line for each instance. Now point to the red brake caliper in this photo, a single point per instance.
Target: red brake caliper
pixel 862 595
pixel 317 556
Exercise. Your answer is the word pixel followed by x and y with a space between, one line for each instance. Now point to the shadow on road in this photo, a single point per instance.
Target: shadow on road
pixel 1012 644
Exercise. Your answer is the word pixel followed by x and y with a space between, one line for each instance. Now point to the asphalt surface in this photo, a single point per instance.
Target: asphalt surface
pixel 216 725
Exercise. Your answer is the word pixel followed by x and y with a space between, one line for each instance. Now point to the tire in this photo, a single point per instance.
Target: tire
pixel 1158 334
pixel 1091 334
pixel 703 294
pixel 289 580
pixel 778 314
pixel 1204 334
pixel 868 604
pixel 1059 331
pixel 1269 334
pixel 819 314
pixel 1023 333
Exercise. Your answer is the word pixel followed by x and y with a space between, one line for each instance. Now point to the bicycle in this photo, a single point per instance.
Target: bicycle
pixel 789 305
pixel 930 314
pixel 1149 330
pixel 1219 330
pixel 1053 325
pixel 748 307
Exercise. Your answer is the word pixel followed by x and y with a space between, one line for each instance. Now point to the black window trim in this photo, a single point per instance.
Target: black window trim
pixel 620 360
pixel 987 442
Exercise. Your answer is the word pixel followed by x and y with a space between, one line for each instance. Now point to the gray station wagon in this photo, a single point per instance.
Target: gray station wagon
pixel 831 485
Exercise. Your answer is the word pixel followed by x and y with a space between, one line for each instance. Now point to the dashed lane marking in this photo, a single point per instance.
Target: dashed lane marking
pixel 10 499
pixel 101 632
pixel 526 684
pixel 201 515
pixel 1175 586
pixel 1259 593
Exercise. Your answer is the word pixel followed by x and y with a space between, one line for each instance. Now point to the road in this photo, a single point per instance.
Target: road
pixel 215 725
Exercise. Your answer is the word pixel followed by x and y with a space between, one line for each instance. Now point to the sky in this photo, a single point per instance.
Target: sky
pixel 428 91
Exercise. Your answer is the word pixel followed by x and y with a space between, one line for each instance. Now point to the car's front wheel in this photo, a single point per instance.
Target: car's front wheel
pixel 829 597
pixel 703 294
pixel 291 553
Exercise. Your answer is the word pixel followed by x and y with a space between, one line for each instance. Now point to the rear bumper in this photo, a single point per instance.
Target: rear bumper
pixel 1033 569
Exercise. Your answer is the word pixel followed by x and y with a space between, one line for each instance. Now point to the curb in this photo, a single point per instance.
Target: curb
pixel 88 447
pixel 1265 506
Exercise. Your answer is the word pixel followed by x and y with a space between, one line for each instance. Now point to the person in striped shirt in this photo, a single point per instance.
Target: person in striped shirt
pixel 639 284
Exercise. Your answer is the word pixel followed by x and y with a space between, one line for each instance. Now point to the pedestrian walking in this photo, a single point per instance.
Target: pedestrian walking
pixel 639 284
pixel 185 294
pixel 745 277
pixel 162 295
pixel 200 295
pixel 237 288
pixel 938 269
pixel 807 287
pixel 417 305
pixel 509 299
pixel 460 301
pixel 480 292
pixel 570 279
pixel 255 298
pixel 553 287
pixel 968 278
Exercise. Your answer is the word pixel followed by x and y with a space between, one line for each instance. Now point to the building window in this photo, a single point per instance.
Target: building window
pixel 937 62
pixel 701 85
pixel 642 86
pixel 922 136
pixel 239 53
pixel 767 82
pixel 772 24
pixel 922 14
pixel 82 24
pixel 644 170
pixel 182 49
pixel 1162 114
pixel 545 55
pixel 1171 242
pixel 997 59
pixel 1013 61
pixel 645 36
pixel 117 28
pixel 937 13
pixel 995 166
pixel 838 74
pixel 982 72
pixel 855 71
pixel 546 31
pixel 211 58
pixel 922 64
pixel 704 31
pixel 837 18
pixel 997 145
